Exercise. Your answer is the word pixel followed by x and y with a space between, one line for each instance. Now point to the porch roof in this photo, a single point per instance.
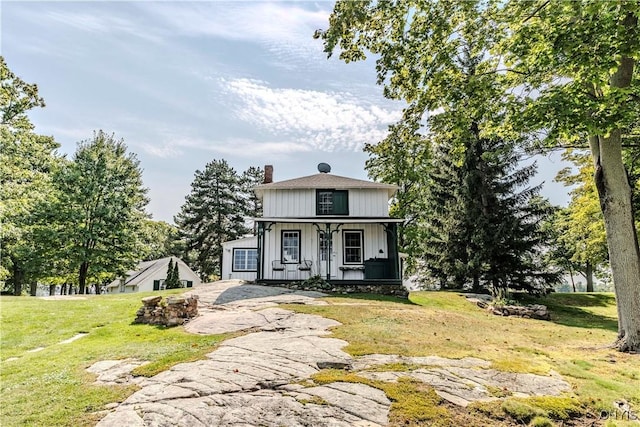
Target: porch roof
pixel 332 220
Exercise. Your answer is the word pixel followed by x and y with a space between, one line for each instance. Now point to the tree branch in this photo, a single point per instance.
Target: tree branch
pixel 542 6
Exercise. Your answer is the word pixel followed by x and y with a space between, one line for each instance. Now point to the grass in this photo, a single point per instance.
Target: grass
pixel 51 387
pixel 574 343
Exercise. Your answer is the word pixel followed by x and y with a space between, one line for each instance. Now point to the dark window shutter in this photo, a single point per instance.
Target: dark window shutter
pixel 341 202
pixel 156 285
pixel 189 283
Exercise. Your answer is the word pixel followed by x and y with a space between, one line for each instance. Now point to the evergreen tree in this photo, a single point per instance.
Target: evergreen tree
pixel 444 247
pixel 175 276
pixel 214 212
pixel 253 205
pixel 504 219
pixel 168 282
pixel 482 226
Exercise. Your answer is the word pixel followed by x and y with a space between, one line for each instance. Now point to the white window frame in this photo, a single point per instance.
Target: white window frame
pixel 247 257
pixel 290 253
pixel 360 233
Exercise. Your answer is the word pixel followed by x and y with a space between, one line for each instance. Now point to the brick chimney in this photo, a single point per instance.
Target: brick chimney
pixel 268 174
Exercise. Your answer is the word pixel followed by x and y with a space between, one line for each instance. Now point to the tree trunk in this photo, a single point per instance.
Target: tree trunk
pixel 614 192
pixel 573 282
pixel 82 276
pixel 18 277
pixel 52 290
pixel 589 276
pixel 476 283
pixel 33 289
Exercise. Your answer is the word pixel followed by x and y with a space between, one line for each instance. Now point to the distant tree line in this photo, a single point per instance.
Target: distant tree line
pixel 80 221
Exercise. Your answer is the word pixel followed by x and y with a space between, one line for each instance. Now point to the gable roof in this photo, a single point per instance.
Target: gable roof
pixel 324 180
pixel 146 269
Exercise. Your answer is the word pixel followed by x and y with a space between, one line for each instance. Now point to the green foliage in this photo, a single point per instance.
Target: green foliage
pixel 99 211
pixel 543 71
pixel 161 240
pixel 585 224
pixel 26 164
pixel 471 217
pixel 316 282
pixel 173 276
pixel 402 158
pixel 521 411
pixel 216 211
pixel 252 204
pixel 580 243
pixel 540 421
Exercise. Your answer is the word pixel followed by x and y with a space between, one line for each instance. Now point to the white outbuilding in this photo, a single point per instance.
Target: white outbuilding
pixel 151 275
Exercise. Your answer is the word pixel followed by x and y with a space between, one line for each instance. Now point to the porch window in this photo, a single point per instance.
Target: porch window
pixel 291 246
pixel 245 259
pixel 332 202
pixel 352 246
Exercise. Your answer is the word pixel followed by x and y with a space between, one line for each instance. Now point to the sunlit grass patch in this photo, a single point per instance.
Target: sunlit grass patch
pixel 412 402
pixel 573 344
pixel 56 377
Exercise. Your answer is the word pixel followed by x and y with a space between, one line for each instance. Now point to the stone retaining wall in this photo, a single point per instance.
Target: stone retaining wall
pixel 172 312
pixel 352 288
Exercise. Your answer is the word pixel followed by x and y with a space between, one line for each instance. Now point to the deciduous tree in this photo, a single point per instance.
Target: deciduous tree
pixel 403 159
pixel 26 164
pixel 582 234
pixel 161 240
pixel 569 73
pixel 100 208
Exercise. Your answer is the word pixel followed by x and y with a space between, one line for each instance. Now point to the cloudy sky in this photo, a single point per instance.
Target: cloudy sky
pixel 184 83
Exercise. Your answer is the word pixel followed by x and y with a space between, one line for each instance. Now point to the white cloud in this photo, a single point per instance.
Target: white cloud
pixel 285 29
pixel 165 151
pixel 322 120
pixel 247 21
pixel 247 148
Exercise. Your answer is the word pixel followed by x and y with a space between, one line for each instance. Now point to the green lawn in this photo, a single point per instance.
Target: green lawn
pixel 573 344
pixel 50 387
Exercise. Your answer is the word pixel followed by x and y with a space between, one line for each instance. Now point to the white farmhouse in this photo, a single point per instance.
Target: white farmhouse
pixel 150 276
pixel 332 226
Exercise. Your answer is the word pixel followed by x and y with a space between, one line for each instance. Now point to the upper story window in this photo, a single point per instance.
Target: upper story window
pixel 332 202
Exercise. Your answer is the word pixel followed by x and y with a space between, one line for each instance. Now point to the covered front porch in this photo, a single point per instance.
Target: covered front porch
pixel 342 251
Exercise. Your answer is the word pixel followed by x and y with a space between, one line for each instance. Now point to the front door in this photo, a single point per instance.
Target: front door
pixel 326 256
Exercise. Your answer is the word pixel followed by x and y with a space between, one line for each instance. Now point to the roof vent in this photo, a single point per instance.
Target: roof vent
pixel 324 168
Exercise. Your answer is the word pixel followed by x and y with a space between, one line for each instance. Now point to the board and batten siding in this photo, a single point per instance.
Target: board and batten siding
pixel 227 259
pixel 301 203
pixel 375 240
